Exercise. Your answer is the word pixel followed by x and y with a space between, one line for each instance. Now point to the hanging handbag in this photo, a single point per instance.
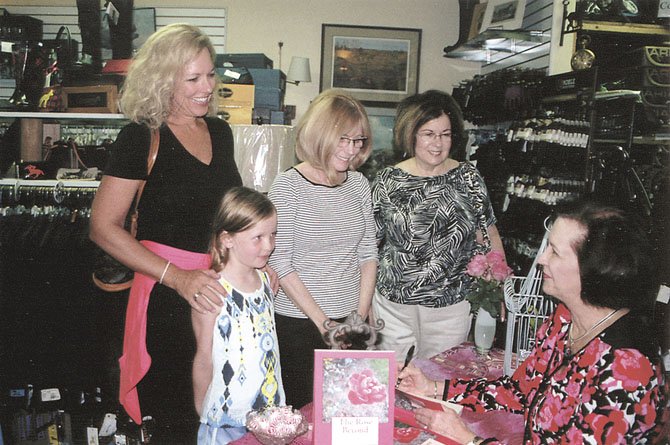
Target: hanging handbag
pixel 109 274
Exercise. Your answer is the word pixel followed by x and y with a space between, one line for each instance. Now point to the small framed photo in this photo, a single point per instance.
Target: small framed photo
pixel 377 65
pixel 503 14
pixel 354 397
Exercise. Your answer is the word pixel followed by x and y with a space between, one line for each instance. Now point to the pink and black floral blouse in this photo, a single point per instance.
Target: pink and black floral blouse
pixel 610 392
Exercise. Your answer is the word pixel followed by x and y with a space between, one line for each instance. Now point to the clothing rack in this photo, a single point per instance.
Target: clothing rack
pixel 74 194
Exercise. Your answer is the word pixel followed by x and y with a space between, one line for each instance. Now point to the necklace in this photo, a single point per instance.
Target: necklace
pixel 602 320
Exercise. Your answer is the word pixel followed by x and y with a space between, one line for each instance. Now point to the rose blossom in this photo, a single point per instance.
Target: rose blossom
pixel 364 388
pixel 495 257
pixel 477 266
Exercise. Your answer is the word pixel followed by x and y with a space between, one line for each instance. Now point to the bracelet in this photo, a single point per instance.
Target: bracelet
pixel 164 272
pixel 435 393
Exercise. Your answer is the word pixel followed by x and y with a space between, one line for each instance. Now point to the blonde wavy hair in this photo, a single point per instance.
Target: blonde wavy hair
pixel 147 91
pixel 240 208
pixel 329 116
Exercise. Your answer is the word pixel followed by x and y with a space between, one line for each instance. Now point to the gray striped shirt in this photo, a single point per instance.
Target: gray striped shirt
pixel 324 234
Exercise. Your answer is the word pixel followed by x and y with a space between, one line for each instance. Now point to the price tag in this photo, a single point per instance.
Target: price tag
pixel 50 394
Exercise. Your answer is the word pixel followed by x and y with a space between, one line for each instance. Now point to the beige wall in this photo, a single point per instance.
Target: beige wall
pixel 257 26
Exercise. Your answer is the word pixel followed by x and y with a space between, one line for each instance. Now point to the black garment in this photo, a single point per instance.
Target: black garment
pixel 297 357
pixel 177 209
pixel 181 196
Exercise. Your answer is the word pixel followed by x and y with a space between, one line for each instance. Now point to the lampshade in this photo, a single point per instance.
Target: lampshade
pixel 299 70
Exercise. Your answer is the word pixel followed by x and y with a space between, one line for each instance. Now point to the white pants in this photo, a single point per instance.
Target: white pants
pixel 432 330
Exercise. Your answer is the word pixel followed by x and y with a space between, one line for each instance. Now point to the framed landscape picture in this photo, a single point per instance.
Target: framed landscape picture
pixel 354 396
pixel 377 65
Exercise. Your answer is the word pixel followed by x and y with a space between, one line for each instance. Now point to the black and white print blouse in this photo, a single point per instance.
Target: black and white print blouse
pixel 426 230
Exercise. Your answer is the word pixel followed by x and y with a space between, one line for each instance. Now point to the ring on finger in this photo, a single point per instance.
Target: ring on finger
pixel 195 297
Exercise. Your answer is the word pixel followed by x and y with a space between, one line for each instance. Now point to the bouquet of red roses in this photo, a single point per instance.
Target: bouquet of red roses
pixel 489 272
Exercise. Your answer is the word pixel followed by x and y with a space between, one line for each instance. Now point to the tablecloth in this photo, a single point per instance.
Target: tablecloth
pixel 461 361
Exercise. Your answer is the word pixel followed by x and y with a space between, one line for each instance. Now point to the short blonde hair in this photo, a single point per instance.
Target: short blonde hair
pixel 147 91
pixel 330 115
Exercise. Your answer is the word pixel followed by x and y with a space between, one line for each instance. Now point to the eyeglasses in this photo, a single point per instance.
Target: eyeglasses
pixel 358 142
pixel 429 136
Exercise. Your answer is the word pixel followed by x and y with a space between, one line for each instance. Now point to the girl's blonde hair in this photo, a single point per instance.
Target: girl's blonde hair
pixel 330 115
pixel 239 209
pixel 147 91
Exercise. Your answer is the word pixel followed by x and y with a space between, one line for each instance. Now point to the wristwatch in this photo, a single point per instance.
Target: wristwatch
pixel 475 441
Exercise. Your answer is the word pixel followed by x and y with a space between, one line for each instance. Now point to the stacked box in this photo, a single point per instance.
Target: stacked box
pixel 250 60
pixel 270 88
pixel 268 78
pixel 236 102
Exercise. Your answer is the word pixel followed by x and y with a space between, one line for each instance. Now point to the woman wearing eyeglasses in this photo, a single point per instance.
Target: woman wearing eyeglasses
pixel 325 254
pixel 431 212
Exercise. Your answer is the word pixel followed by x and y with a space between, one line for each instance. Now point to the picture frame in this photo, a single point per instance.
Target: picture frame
pixel 377 65
pixel 503 14
pixel 478 12
pixel 344 415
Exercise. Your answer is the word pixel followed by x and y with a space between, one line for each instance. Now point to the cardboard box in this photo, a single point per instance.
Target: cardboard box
pixel 236 115
pixel 248 60
pixel 90 99
pixel 278 118
pixel 268 78
pixel 235 95
pixel 272 98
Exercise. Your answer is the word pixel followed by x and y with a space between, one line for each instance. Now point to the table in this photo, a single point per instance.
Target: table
pixel 461 361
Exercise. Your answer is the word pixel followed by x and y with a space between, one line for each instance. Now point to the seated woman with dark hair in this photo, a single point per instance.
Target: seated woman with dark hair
pixel 595 375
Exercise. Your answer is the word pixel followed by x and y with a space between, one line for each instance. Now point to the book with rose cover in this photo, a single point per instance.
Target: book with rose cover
pixel 354 397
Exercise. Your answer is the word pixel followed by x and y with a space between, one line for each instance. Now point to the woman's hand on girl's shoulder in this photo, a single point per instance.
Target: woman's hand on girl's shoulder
pixel 200 288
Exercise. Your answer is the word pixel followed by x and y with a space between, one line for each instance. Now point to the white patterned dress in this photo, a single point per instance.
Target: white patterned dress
pixel 245 358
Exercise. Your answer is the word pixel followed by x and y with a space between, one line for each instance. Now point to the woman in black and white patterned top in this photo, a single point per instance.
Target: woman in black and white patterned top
pixel 326 254
pixel 428 211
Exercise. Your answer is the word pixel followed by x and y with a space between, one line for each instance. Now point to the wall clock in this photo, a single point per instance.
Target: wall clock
pixel 583 58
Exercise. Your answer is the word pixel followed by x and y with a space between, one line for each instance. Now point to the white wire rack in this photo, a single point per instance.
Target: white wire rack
pixel 526 311
pixel 527 308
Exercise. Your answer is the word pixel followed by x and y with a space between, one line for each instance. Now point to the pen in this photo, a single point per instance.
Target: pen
pixel 408 358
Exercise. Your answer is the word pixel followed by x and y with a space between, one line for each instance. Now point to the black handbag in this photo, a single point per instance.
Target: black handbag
pixel 108 273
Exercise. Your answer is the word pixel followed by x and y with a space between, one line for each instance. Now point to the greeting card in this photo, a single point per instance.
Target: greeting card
pixel 354 396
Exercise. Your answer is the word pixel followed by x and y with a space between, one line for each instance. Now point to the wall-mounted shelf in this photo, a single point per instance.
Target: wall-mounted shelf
pixel 64 116
pixel 627 28
pixel 494 45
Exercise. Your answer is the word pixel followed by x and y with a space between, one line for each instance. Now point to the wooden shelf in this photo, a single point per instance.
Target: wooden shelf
pixel 625 28
pixel 63 116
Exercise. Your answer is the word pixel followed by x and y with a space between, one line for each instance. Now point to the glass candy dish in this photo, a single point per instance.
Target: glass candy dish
pixel 277 425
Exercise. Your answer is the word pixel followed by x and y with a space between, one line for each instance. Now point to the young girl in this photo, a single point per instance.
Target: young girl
pixel 236 366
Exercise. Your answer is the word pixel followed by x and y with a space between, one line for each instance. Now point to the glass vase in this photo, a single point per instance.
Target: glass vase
pixel 485 331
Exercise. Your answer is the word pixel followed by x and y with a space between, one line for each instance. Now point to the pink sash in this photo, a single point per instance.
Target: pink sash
pixel 135 361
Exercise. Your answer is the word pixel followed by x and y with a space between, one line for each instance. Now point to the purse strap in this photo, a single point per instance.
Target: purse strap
pixel 151 160
pixel 479 208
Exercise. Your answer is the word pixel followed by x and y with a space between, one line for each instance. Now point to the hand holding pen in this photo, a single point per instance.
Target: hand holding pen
pixel 408 358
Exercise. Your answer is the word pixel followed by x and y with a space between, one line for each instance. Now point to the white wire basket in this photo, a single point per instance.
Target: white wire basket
pixel 527 309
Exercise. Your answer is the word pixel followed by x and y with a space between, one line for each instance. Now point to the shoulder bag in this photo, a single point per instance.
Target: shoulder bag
pixel 109 274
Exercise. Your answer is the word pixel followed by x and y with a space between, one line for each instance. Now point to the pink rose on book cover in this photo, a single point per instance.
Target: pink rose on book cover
pixel 365 389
